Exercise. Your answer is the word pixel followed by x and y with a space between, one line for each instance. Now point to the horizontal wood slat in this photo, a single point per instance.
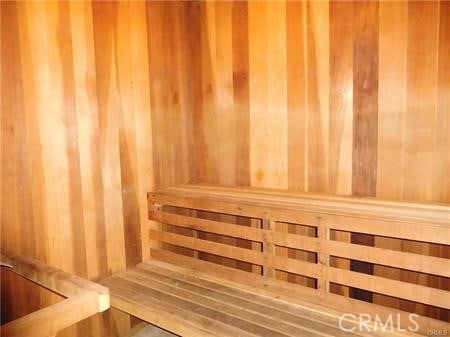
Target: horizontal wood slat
pixel 317 199
pixel 190 303
pixel 49 321
pixel 231 252
pixel 226 307
pixel 288 292
pixel 236 231
pixel 297 267
pixel 159 312
pixel 347 206
pixel 409 291
pixel 241 299
pixel 426 231
pixel 387 257
pixel 83 298
pixel 56 280
pixel 278 247
pixel 397 259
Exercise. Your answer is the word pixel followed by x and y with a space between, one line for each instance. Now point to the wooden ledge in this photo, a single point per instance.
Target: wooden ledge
pixel 432 214
pixel 83 298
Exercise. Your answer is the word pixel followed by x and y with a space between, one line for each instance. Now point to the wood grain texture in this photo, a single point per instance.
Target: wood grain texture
pixel 102 102
pixel 318 73
pixel 346 90
pixel 395 219
pixel 296 49
pixel 343 121
pixel 193 303
pixel 75 140
pixel 341 109
pixel 391 113
pixel 365 118
pixel 84 298
pixel 421 104
pixel 268 104
pixel 365 98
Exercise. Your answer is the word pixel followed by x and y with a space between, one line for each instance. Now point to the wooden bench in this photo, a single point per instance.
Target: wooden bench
pixel 82 298
pixel 229 261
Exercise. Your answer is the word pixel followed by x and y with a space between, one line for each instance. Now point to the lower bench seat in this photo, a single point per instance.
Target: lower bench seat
pixel 245 262
pixel 190 303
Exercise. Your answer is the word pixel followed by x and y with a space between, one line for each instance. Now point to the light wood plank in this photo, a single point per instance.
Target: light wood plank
pixel 231 252
pixel 409 291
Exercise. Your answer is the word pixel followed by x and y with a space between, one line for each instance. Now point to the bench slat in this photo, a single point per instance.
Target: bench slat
pixel 409 291
pixel 297 242
pixel 330 305
pixel 404 260
pixel 177 297
pixel 401 228
pixel 237 231
pixel 241 254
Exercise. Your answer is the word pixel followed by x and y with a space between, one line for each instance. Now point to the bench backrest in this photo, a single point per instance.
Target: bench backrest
pixel 302 244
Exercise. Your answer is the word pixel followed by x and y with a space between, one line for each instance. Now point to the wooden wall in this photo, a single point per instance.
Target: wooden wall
pixel 101 102
pixel 340 97
pixel 76 139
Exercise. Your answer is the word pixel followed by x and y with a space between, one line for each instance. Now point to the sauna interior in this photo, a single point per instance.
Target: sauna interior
pixel 207 168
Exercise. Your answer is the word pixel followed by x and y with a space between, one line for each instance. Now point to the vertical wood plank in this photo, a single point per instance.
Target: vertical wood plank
pixel 241 109
pixel 241 99
pixel 318 95
pixel 87 117
pixel 296 45
pixel 208 121
pixel 421 99
pixel 341 110
pixel 268 248
pixel 419 122
pixel 365 98
pixel 341 97
pixel 170 157
pixel 391 114
pixel 441 151
pixel 64 49
pixel 392 98
pixel 9 73
pixel 365 118
pixel 226 121
pixel 268 94
pixel 323 233
pixel 142 115
pixel 35 143
pixel 128 25
pixel 108 98
pixel 158 87
pixel 226 118
pixel 42 20
pixel 193 66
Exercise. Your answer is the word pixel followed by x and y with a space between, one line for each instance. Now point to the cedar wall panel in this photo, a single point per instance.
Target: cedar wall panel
pixel 76 141
pixel 343 97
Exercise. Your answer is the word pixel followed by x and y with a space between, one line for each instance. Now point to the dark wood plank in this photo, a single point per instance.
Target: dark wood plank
pixel 365 115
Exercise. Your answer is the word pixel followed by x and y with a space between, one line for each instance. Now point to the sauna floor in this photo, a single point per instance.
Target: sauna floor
pixel 191 304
